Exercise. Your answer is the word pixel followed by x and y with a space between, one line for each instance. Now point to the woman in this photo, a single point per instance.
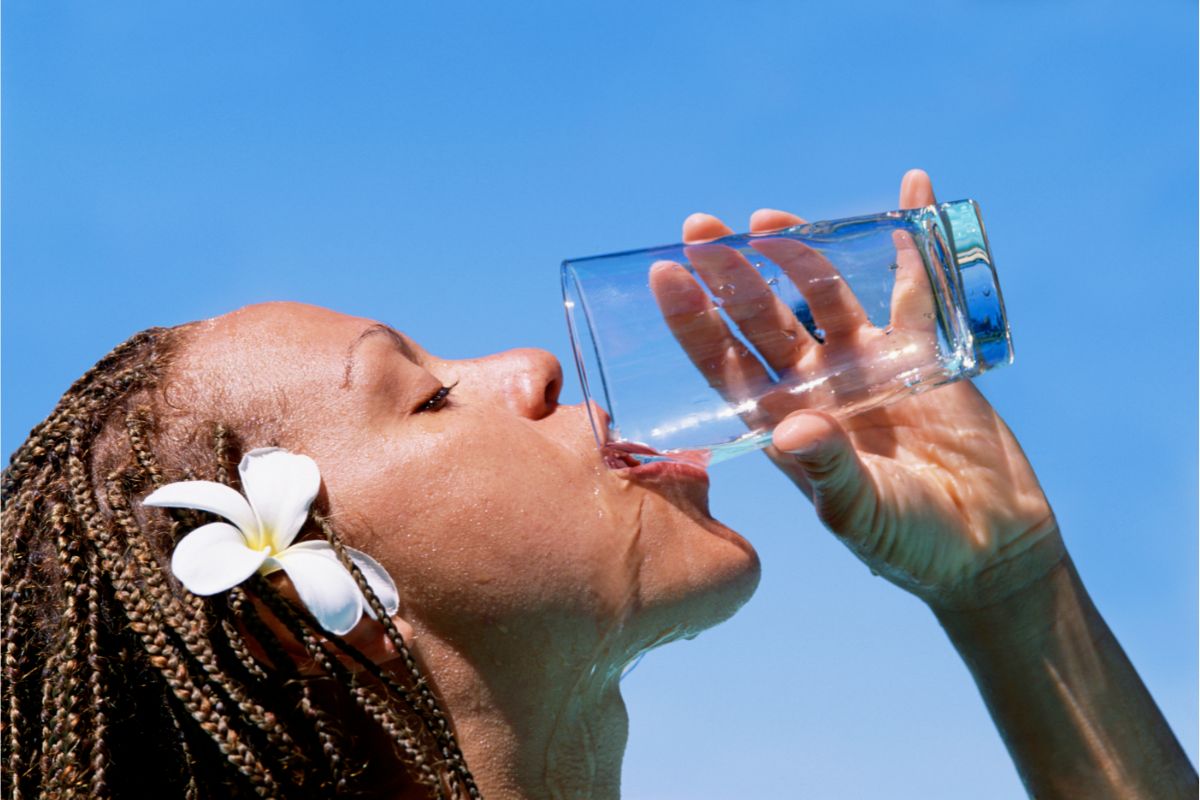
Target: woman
pixel 528 572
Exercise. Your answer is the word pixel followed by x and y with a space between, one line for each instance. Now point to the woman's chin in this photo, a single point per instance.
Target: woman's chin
pixel 720 572
pixel 735 580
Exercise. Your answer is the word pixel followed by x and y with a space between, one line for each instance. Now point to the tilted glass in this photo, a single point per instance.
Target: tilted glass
pixel 690 351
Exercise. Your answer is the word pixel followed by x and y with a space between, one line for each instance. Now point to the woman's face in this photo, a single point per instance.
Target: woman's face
pixel 490 505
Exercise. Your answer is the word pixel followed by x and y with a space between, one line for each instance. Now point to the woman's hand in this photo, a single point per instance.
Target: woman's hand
pixel 932 492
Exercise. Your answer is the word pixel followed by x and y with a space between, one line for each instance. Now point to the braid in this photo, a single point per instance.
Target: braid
pixel 190 710
pixel 16 582
pixel 329 738
pixel 200 700
pixel 192 788
pixel 221 446
pixel 137 425
pixel 304 631
pixel 426 705
pixel 47 708
pixel 96 680
pixel 62 684
pixel 13 668
pixel 187 622
pixel 93 390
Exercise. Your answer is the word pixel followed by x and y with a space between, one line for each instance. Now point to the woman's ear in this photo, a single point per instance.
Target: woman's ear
pixel 369 637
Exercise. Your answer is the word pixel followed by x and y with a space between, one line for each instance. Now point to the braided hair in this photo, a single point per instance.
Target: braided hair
pixel 119 682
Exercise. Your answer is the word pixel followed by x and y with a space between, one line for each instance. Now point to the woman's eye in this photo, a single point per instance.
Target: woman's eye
pixel 438 400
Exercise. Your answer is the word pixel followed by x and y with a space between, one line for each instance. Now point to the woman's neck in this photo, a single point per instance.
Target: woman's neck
pixel 531 729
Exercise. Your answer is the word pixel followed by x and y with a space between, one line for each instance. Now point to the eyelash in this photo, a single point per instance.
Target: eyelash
pixel 439 399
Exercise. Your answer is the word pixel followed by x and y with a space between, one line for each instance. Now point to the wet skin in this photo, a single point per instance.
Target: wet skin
pixel 529 571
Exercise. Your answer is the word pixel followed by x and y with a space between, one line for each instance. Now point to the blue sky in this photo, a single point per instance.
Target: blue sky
pixel 431 167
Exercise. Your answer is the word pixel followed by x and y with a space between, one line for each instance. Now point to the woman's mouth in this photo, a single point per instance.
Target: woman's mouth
pixel 640 462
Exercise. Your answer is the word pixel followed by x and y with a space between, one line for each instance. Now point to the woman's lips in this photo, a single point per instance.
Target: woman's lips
pixel 619 456
pixel 622 458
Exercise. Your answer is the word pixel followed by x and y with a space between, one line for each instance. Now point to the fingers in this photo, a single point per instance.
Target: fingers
pixel 912 296
pixel 769 219
pixel 843 491
pixel 765 321
pixel 702 228
pixel 916 189
pixel 745 296
pixel 758 312
pixel 696 323
pixel 834 307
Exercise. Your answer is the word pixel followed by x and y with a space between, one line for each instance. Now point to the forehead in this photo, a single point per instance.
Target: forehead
pixel 280 365
pixel 385 333
pixel 287 320
pixel 275 343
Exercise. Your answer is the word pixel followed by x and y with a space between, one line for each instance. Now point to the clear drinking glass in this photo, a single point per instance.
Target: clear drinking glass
pixel 693 352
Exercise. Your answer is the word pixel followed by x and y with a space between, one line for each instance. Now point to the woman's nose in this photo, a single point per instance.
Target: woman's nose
pixel 528 380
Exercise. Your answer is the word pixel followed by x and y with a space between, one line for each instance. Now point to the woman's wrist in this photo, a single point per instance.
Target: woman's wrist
pixel 1009 585
pixel 1012 623
pixel 1072 711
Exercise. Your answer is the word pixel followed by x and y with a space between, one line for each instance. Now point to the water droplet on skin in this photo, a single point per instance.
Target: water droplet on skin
pixel 927 315
pixel 718 301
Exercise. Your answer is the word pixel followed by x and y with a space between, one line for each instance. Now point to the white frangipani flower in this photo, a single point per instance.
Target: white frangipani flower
pixel 280 486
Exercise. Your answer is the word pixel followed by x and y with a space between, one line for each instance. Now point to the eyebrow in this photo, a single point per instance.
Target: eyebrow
pixel 378 329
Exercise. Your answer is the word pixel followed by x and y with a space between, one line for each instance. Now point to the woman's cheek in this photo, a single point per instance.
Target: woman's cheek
pixel 488 502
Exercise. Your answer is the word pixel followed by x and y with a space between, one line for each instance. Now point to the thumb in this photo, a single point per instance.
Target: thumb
pixel 842 488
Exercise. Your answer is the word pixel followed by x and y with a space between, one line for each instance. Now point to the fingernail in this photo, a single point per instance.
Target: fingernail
pixel 807 449
pixel 811 432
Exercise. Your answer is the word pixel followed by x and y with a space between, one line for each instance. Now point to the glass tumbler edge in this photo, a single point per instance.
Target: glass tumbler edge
pixel 980 286
pixel 583 347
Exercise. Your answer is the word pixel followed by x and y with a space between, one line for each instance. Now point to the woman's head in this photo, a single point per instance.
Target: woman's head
pixel 486 502
pixel 490 505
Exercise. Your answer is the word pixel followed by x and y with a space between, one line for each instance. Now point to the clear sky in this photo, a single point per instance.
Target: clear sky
pixel 430 164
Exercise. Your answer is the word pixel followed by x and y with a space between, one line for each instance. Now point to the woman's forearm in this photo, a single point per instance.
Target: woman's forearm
pixel 1076 718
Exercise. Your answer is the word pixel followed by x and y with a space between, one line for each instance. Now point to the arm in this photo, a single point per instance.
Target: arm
pixel 935 494
pixel 1072 711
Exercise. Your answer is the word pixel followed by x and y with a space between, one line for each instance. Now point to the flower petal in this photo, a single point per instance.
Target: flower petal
pixel 206 496
pixel 325 587
pixel 379 580
pixel 377 577
pixel 213 558
pixel 280 486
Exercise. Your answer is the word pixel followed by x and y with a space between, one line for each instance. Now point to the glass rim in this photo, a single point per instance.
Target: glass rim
pixel 979 287
pixel 575 304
